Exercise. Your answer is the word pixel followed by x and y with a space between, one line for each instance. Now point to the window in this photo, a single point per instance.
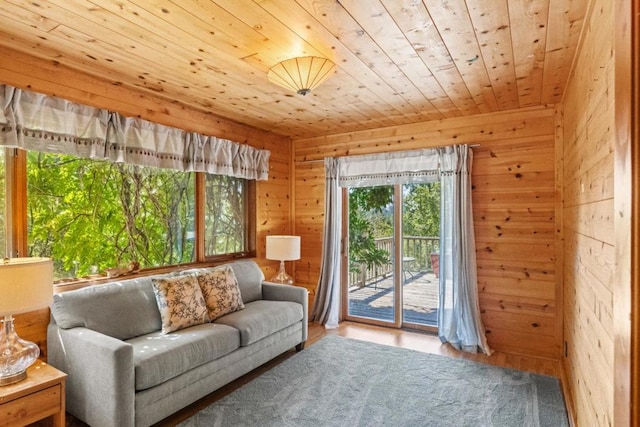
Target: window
pixel 92 215
pixel 225 215
pixel 89 214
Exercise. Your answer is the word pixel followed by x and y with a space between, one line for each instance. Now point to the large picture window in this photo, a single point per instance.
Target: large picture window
pixel 89 216
pixel 94 190
pixel 92 215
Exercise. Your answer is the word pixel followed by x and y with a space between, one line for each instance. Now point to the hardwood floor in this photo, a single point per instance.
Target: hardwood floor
pixel 419 341
pixel 430 343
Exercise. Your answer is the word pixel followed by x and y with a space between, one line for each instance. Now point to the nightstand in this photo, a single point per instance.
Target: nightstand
pixel 312 294
pixel 39 396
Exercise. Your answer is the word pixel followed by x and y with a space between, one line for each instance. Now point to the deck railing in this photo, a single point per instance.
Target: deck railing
pixel 416 253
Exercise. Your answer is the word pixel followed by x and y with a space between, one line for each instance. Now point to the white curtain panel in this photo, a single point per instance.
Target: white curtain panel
pixel 38 122
pixel 326 307
pixel 459 321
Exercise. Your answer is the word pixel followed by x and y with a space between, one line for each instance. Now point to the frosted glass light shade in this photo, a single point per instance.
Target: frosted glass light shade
pixel 302 74
pixel 26 284
pixel 283 248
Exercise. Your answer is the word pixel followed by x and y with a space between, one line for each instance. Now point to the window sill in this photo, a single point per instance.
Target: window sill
pixel 97 279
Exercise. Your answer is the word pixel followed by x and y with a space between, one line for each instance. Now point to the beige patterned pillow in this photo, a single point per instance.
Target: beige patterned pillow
pixel 221 292
pixel 180 302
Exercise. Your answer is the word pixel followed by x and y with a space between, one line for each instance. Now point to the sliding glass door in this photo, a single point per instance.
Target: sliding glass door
pixel 391 254
pixel 371 291
pixel 420 253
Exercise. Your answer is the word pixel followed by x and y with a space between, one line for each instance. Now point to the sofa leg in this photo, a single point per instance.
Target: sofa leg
pixel 300 346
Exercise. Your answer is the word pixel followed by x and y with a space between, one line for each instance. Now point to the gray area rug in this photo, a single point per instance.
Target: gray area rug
pixel 345 382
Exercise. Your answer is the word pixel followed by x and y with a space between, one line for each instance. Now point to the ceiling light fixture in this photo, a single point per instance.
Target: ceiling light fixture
pixel 302 74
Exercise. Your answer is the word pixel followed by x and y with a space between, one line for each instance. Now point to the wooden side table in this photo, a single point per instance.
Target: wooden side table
pixel 312 295
pixel 39 396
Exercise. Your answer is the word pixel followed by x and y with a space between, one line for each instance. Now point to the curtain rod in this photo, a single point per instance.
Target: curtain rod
pixel 322 160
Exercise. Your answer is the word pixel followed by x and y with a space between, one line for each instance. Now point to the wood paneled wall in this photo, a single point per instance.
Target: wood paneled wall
pixel 273 201
pixel 626 300
pixel 588 126
pixel 514 199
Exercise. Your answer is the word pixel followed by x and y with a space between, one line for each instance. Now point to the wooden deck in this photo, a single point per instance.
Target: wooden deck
pixel 375 300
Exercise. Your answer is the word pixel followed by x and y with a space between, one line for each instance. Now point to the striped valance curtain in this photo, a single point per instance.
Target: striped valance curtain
pixel 38 122
pixel 400 167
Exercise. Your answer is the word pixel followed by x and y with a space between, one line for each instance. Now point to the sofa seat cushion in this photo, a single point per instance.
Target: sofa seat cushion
pixel 158 357
pixel 260 319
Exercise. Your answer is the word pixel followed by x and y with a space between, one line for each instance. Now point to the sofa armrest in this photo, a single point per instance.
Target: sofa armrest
pixel 277 292
pixel 101 380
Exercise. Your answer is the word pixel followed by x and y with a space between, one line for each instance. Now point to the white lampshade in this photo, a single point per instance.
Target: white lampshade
pixel 283 248
pixel 26 284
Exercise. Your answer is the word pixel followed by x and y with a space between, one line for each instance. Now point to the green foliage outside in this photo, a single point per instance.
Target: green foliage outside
pixel 371 218
pixel 225 230
pixel 421 210
pixel 421 219
pixel 88 215
pixel 368 219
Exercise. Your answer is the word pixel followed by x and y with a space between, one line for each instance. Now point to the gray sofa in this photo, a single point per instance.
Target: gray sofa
pixel 122 371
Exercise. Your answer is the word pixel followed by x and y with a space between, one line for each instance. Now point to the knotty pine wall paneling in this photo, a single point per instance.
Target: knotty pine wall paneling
pixel 514 199
pixel 626 301
pixel 588 125
pixel 273 201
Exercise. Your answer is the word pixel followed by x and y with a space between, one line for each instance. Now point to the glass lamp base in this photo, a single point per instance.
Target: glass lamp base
pixel 282 277
pixel 16 354
pixel 11 379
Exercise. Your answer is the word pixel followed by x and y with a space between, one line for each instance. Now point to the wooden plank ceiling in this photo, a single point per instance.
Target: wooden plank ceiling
pixel 398 61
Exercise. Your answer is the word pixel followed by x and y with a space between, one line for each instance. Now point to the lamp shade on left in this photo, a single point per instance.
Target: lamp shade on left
pixel 26 284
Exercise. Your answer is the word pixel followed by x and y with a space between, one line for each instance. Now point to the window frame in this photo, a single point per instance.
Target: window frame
pixel 250 222
pixel 17 232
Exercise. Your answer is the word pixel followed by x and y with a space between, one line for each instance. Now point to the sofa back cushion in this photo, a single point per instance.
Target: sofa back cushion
pixel 122 310
pixel 250 279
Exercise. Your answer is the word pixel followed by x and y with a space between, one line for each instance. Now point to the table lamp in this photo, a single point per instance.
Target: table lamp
pixel 26 284
pixel 283 248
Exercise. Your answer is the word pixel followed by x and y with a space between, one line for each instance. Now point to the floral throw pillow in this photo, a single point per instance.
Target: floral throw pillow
pixel 221 292
pixel 180 302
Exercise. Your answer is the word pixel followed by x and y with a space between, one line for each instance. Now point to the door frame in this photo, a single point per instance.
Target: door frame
pixel 398 305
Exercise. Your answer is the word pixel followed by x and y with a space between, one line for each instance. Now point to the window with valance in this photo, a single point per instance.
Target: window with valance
pixel 105 191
